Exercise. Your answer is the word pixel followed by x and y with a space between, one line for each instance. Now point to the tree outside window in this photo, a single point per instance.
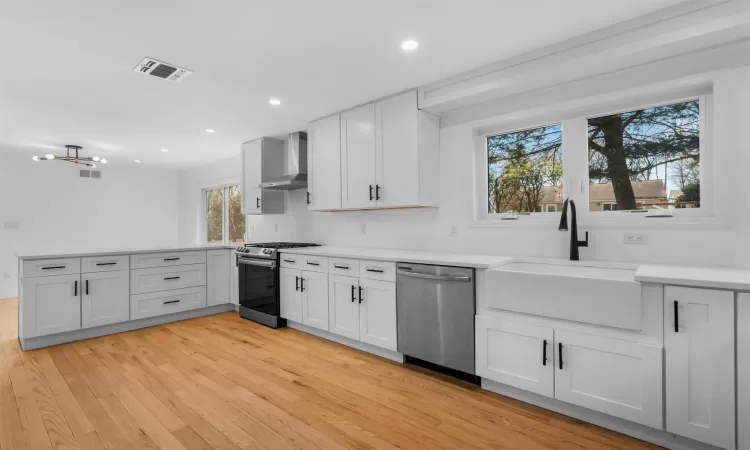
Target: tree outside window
pixel 225 222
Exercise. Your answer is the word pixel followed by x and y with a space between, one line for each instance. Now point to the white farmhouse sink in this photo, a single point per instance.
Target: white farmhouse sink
pixel 596 295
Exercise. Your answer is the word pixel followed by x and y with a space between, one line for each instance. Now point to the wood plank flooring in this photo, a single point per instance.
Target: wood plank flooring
pixel 220 382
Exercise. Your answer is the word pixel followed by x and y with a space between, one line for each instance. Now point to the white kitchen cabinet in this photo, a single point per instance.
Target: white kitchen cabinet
pixel 290 294
pixel 51 304
pixel 613 376
pixel 377 313
pixel 262 160
pixel 314 288
pixel 406 153
pixel 358 158
pixel 519 355
pixel 324 164
pixel 218 277
pixel 343 306
pixel 234 291
pixel 699 340
pixel 105 298
pixel 743 369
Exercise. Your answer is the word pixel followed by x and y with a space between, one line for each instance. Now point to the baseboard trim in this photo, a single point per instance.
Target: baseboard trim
pixel 382 352
pixel 88 333
pixel 636 430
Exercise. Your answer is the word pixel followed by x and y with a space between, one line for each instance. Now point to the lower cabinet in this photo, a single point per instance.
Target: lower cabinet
pixel 699 341
pixel 167 302
pixel 613 376
pixel 218 277
pixel 51 304
pixel 314 288
pixel 105 298
pixel 343 306
pixel 290 295
pixel 743 369
pixel 377 313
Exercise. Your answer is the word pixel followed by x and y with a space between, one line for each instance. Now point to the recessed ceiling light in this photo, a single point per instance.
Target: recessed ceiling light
pixel 409 45
pixel 274 101
pixel 210 130
pixel 136 160
pixel 165 149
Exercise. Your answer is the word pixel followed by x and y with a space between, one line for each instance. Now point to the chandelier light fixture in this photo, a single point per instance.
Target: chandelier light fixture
pixel 89 161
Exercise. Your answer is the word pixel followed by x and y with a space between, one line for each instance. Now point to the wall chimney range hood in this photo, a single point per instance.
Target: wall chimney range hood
pixel 296 165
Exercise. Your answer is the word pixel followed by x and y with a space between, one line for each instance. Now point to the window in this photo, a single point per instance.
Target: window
pixel 645 159
pixel 552 208
pixel 524 169
pixel 225 222
pixel 609 206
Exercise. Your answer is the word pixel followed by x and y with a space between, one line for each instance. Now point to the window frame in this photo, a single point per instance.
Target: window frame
pixel 224 186
pixel 575 180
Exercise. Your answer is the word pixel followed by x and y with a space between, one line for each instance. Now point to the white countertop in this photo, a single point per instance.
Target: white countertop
pixel 707 277
pixel 78 253
pixel 411 256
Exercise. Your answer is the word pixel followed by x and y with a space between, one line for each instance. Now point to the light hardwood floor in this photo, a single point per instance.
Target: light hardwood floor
pixel 220 382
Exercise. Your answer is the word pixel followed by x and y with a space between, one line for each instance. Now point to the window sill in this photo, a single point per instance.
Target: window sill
pixel 592 223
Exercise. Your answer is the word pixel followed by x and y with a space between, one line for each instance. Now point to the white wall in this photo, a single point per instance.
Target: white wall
pixel 131 206
pixel 430 228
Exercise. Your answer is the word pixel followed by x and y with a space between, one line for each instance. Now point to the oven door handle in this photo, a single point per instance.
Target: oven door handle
pixel 252 262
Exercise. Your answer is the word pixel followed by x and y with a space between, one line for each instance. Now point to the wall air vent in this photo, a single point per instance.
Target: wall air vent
pixel 156 68
pixel 88 173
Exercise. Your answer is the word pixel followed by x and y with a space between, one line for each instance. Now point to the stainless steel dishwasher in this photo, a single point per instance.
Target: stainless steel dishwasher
pixel 436 306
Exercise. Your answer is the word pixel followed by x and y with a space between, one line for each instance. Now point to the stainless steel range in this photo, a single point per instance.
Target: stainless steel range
pixel 258 275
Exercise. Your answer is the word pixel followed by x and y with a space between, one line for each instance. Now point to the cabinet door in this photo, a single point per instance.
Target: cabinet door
pixel 515 354
pixel 343 306
pixel 324 164
pixel 743 369
pixel 290 295
pixel 252 163
pixel 699 347
pixel 613 376
pixel 397 151
pixel 218 277
pixel 377 313
pixel 51 305
pixel 314 287
pixel 358 157
pixel 235 283
pixel 105 298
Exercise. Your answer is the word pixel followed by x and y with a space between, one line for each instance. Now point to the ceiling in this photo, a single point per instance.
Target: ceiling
pixel 67 75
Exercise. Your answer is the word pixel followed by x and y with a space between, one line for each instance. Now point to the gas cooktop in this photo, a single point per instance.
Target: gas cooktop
pixel 269 249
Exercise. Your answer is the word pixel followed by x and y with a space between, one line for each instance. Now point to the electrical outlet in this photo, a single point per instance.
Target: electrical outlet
pixel 276 227
pixel 6 275
pixel 12 225
pixel 252 228
pixel 454 230
pixel 363 228
pixel 637 239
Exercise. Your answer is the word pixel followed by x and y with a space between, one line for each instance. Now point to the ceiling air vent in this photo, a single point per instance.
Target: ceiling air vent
pixel 88 173
pixel 156 68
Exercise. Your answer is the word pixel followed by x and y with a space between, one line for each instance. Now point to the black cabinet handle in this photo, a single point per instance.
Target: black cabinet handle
pixel 312 263
pixel 354 293
pixel 53 267
pixel 360 294
pixel 296 283
pixel 171 259
pixel 257 203
pixel 171 301
pixel 171 278
pixel 375 270
pixel 544 352
pixel 302 284
pixel 676 318
pixel 559 354
pixel 336 266
pixel 289 261
pixel 87 287
pixel 308 197
pixel 370 192
pixel 377 192
pixel 75 288
pixel 106 264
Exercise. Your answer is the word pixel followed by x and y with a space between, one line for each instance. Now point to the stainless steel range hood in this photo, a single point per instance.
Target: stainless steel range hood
pixel 296 165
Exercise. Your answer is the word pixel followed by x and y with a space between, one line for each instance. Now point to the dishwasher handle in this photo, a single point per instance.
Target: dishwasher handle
pixel 428 276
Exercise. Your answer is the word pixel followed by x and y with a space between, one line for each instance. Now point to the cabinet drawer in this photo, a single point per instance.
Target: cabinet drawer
pixel 49 267
pixel 377 270
pixel 166 278
pixel 291 260
pixel 345 267
pixel 146 260
pixel 167 302
pixel 314 263
pixel 105 263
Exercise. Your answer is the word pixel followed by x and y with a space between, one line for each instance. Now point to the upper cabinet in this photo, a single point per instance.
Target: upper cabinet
pixel 262 159
pixel 388 157
pixel 324 164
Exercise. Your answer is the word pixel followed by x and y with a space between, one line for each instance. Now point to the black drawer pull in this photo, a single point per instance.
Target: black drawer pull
pixel 53 267
pixel 336 266
pixel 370 192
pixel 75 288
pixel 376 270
pixel 87 287
pixel 360 294
pixel 106 264
pixel 308 198
pixel 559 354
pixel 377 192
pixel 312 263
pixel 257 203
pixel 301 284
pixel 171 259
pixel 171 278
pixel 290 261
pixel 544 352
pixel 171 301
pixel 296 283
pixel 676 318
pixel 354 293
